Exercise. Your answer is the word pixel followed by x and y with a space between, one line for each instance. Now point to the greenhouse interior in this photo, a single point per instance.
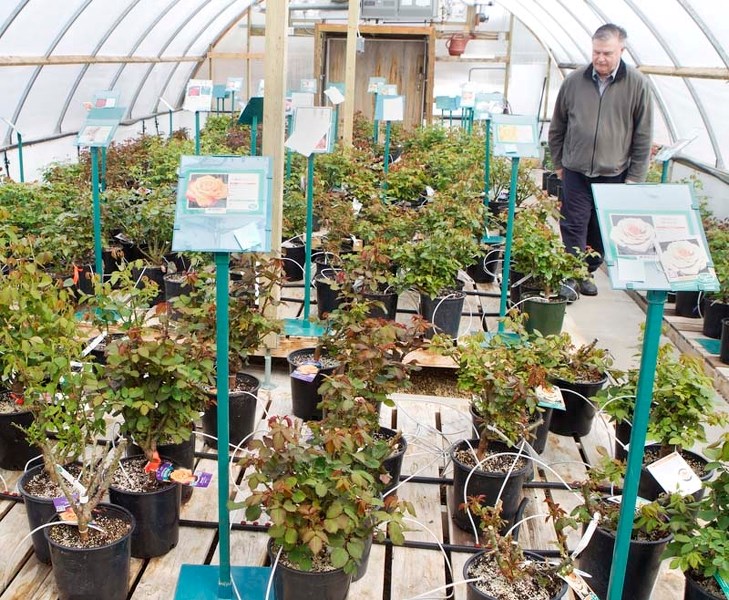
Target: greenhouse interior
pixel 447 279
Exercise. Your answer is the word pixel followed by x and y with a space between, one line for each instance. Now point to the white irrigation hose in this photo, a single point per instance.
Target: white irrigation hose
pixel 414 474
pixel 5 484
pixel 442 588
pixel 466 416
pixel 524 520
pixel 273 570
pixel 437 541
pixel 25 468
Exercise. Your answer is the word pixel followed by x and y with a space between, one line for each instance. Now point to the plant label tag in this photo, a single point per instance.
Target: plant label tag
pixel 579 586
pixel 639 502
pixel 306 372
pixel 356 244
pixel 589 532
pixel 674 474
pixel 62 505
pixel 550 397
pixel 95 342
pixel 722 584
pixel 153 464
pixel 168 472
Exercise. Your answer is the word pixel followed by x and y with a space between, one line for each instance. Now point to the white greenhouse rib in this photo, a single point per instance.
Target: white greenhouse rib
pixel 440 546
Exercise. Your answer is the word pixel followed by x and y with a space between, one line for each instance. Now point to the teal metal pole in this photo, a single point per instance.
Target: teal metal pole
pixel 487 164
pixel 336 124
pixel 644 394
pixel 507 244
pixel 309 227
pixel 254 135
pixel 386 164
pixel 664 172
pixel 289 121
pixel 376 128
pixel 450 118
pixel 103 169
pixel 232 102
pixel 97 211
pixel 20 157
pixel 197 133
pixel 222 272
pixel 171 125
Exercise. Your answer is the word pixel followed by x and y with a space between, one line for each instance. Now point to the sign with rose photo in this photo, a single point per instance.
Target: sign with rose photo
pixel 223 204
pixel 654 239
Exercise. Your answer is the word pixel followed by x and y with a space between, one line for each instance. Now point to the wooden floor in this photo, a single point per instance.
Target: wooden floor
pixel 430 424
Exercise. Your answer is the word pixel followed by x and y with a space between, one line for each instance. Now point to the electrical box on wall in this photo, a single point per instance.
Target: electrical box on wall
pixel 399 10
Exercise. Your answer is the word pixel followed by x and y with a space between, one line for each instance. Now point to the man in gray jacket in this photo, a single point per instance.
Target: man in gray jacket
pixel 600 133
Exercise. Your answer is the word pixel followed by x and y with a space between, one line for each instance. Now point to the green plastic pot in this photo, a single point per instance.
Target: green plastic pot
pixel 545 316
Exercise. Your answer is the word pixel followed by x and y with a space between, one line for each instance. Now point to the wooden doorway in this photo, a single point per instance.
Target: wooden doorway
pixel 403 57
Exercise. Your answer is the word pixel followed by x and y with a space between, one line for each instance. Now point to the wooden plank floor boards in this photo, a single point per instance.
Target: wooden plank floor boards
pixel 431 425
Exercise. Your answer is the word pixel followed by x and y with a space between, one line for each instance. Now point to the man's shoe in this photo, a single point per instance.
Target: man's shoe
pixel 569 290
pixel 588 287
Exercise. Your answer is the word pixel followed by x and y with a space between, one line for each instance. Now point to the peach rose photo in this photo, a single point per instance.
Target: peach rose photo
pixel 207 191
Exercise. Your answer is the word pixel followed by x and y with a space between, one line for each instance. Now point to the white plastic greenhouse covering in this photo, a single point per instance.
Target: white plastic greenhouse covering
pixel 147 49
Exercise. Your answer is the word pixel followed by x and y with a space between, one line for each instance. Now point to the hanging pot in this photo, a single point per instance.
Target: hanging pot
pixel 15 450
pixel 241 408
pixel 456 44
pixel 39 511
pixel 473 593
pixel 157 514
pixel 102 572
pixel 292 584
pixel 304 395
pixel 486 484
pixel 444 312
pixel 644 560
pixel 578 415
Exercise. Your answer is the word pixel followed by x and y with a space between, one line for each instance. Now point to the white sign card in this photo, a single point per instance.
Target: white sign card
pixel 198 95
pixel 674 474
pixel 335 96
pixel 234 84
pixel 374 84
pixel 309 85
pixel 468 96
pixel 388 89
pixel 312 126
pixel 668 152
pixel 261 87
pixel 301 99
pixel 393 108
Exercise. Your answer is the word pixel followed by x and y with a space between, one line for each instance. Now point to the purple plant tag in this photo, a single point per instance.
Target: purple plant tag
pixel 61 504
pixel 306 372
pixel 203 479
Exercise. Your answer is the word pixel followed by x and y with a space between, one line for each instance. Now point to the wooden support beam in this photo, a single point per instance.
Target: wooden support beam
pixel 695 72
pixel 350 70
pixel 507 75
pixel 237 55
pixel 82 59
pixel 274 69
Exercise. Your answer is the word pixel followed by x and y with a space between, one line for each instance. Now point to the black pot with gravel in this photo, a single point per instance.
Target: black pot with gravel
pixel 306 373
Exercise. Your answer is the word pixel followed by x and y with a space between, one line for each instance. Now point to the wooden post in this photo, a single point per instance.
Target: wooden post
pixel 350 70
pixel 507 73
pixel 248 51
pixel 274 68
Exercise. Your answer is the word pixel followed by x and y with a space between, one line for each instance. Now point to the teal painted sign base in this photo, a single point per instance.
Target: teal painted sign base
pixel 302 328
pixel 200 582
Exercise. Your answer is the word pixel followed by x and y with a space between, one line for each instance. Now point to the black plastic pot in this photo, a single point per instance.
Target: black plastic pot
pixel 174 287
pixel 39 511
pixel 389 302
pixel 241 409
pixel 622 438
pixel 650 489
pixel 579 414
pixel 99 352
pixel 111 257
pixel 364 562
pixel 538 442
pixel 292 584
pixel 473 593
pixel 304 395
pixel 693 591
pixel 327 299
pixel 393 463
pixel 90 574
pixel 687 304
pixel 484 270
pixel 443 312
pixel 520 286
pixel 157 514
pixel 644 560
pixel 294 253
pixel 15 451
pixel 182 454
pixel 84 272
pixel 714 314
pixel 487 485
pixel 724 345
pixel 155 274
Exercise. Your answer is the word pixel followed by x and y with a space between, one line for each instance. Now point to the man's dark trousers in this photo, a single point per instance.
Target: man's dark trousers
pixel 579 226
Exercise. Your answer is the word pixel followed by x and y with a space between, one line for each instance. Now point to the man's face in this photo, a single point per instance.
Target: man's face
pixel 606 55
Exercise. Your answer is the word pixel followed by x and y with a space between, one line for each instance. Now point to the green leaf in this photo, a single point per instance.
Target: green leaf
pixel 339 558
